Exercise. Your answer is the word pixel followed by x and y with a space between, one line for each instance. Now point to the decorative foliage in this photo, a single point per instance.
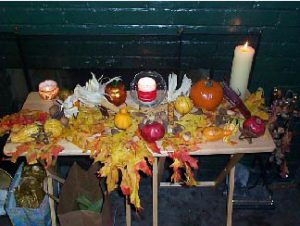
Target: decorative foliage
pixel 255 102
pixel 182 160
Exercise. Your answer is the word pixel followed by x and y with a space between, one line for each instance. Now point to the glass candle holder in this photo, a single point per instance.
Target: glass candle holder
pixel 147 91
pixel 48 90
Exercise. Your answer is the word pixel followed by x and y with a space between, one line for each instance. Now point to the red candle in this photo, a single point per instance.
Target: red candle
pixel 147 89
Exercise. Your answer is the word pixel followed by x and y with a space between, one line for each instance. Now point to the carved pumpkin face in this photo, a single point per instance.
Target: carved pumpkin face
pixel 116 93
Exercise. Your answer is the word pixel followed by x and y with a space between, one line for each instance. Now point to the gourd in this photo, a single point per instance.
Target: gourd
pixel 214 133
pixel 53 127
pixel 24 134
pixel 206 94
pixel 123 119
pixel 183 105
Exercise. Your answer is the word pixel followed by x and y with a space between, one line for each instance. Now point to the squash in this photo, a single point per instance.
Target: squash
pixel 25 134
pixel 183 105
pixel 206 94
pixel 123 119
pixel 53 127
pixel 213 133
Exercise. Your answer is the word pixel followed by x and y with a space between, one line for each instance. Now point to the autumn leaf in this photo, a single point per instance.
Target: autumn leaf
pixel 143 166
pixel 55 150
pixel 153 147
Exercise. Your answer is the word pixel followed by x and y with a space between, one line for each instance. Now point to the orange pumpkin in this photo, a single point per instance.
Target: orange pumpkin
pixel 206 94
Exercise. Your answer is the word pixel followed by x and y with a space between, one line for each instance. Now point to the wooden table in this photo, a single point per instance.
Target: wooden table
pixel 236 152
pixel 262 144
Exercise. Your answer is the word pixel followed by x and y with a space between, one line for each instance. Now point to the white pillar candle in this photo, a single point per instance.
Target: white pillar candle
pixel 241 67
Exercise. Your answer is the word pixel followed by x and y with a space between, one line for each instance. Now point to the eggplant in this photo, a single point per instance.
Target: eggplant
pixel 232 97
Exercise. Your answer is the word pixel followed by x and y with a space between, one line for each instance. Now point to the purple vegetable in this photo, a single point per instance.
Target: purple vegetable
pixel 235 100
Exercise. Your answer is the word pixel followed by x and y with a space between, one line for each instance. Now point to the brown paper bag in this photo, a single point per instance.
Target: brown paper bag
pixel 80 182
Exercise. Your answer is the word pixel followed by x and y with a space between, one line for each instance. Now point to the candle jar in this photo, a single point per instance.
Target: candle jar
pixel 48 90
pixel 147 91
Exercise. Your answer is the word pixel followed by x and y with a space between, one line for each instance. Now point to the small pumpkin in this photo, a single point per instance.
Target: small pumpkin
pixel 53 127
pixel 115 92
pixel 206 94
pixel 183 105
pixel 123 119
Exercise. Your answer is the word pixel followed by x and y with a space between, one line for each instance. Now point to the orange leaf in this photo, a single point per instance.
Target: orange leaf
pixel 143 166
pixel 154 148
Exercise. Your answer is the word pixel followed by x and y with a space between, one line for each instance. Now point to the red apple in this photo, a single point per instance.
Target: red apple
pixel 153 131
pixel 255 125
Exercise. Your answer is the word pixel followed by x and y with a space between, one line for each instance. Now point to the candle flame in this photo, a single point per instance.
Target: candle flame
pixel 246 45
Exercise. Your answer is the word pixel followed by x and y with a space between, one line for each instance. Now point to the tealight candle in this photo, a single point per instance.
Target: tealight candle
pixel 146 89
pixel 48 89
pixel 241 67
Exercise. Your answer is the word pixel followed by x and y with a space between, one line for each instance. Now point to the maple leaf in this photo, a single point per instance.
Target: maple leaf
pixel 153 147
pixel 125 184
pixel 55 150
pixel 176 173
pixel 31 158
pixel 143 166
pixel 189 176
pixel 112 176
pixel 183 160
pixel 20 149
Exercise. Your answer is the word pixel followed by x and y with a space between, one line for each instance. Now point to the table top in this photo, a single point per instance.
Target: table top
pixel 261 144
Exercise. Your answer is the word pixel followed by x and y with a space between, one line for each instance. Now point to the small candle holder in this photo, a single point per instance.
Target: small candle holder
pixel 148 89
pixel 48 90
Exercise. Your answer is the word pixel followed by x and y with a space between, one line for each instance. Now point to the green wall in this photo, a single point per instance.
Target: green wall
pixel 276 62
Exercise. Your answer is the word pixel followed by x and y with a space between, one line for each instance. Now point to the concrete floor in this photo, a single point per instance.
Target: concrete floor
pixel 207 207
pixel 204 207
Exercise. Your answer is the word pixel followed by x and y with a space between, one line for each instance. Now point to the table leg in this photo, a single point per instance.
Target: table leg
pixel 230 196
pixel 51 201
pixel 232 162
pixel 155 192
pixel 128 211
pixel 161 165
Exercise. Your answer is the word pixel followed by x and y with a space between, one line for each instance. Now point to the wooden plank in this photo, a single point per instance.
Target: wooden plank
pixel 51 201
pixel 128 211
pixel 155 192
pixel 161 168
pixel 199 184
pixel 229 197
pixel 233 160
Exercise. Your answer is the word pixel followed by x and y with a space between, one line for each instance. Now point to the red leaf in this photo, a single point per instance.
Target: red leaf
pixel 125 190
pixel 142 166
pixel 42 117
pixel 184 156
pixel 154 148
pixel 56 149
